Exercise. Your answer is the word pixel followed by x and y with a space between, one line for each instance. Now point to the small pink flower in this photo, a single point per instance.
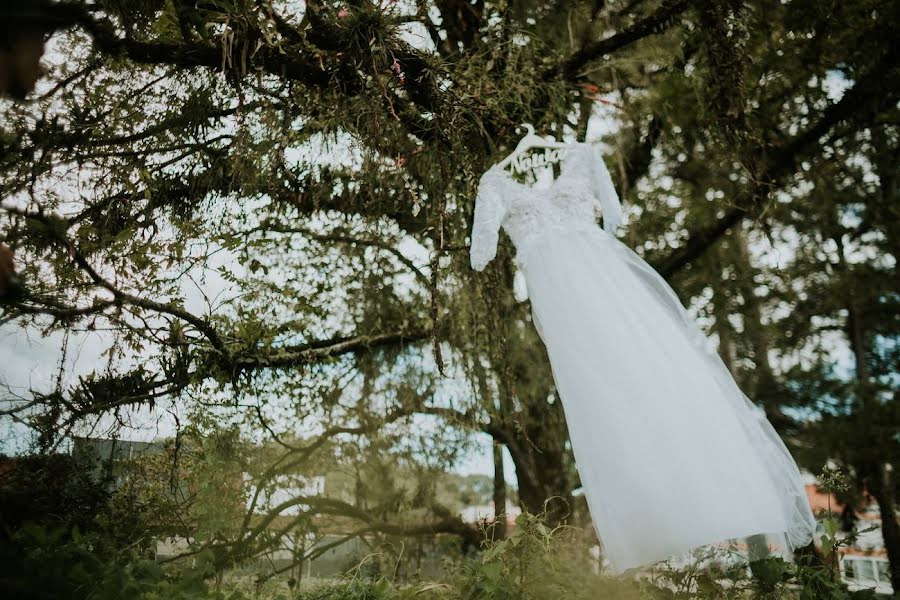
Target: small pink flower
pixel 401 160
pixel 395 67
pixel 343 13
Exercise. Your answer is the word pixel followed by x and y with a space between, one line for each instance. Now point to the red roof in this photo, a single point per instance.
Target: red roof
pixel 820 500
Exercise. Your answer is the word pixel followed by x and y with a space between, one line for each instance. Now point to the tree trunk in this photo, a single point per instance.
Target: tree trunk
pixel 765 391
pixel 543 464
pixel 723 330
pixel 881 488
pixel 532 427
pixel 499 493
pixel 299 551
pixel 544 484
pixel 876 476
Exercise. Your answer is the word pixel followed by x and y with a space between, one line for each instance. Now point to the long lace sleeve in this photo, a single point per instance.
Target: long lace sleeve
pixel 607 200
pixel 490 209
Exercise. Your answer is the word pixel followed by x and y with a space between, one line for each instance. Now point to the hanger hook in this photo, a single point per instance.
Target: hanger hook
pixel 529 128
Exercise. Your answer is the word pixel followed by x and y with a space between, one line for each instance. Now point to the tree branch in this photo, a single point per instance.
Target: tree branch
pixel 655 23
pixel 294 66
pixel 322 350
pixel 873 94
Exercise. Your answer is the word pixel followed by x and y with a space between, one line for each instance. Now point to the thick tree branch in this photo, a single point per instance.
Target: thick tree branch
pixel 653 24
pixel 448 522
pixel 56 227
pixel 296 65
pixel 315 351
pixel 873 94
pixel 323 350
pixel 698 243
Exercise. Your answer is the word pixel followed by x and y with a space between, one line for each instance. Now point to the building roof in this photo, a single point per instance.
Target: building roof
pixel 820 500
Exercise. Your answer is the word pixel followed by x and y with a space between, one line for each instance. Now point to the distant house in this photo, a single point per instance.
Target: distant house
pixel 285 489
pixel 863 565
pixel 476 513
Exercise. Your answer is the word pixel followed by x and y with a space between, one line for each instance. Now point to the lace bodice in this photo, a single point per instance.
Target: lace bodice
pixel 569 204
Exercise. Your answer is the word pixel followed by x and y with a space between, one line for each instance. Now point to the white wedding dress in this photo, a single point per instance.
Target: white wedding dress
pixel 672 456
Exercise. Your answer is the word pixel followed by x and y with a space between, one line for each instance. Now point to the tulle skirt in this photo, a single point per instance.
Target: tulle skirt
pixel 672 456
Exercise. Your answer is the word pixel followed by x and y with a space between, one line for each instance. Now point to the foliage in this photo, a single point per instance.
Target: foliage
pixel 535 562
pixel 42 562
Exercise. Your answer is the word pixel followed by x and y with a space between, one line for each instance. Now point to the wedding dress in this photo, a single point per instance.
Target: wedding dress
pixel 671 454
